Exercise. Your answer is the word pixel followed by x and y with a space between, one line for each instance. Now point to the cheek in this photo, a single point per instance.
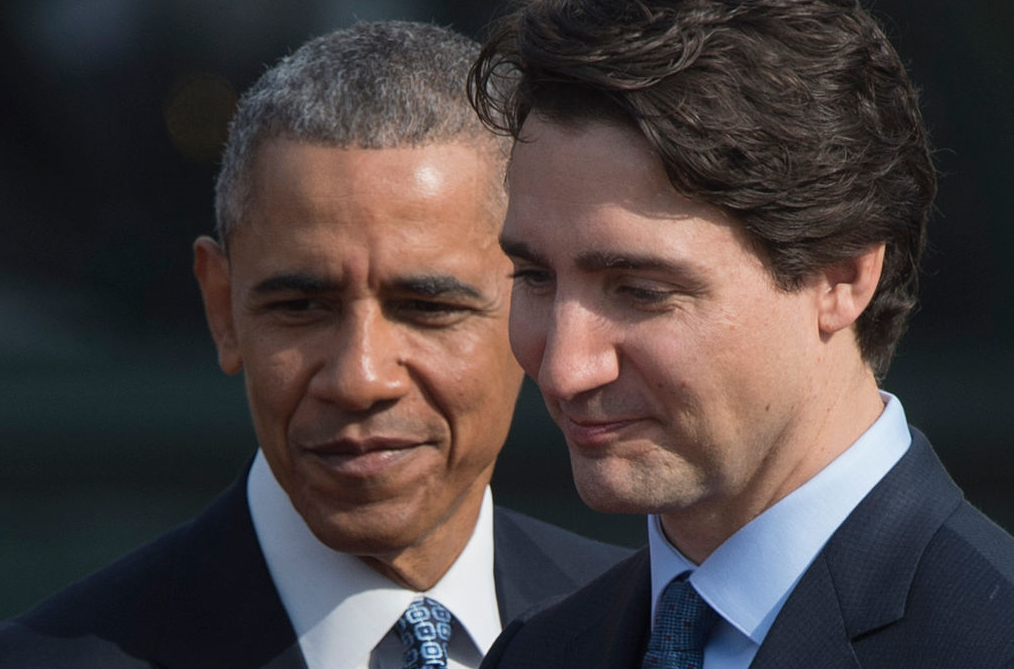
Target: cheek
pixel 275 383
pixel 474 382
pixel 477 380
pixel 527 335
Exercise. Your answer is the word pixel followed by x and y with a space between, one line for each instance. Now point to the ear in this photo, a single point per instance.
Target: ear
pixel 211 267
pixel 849 286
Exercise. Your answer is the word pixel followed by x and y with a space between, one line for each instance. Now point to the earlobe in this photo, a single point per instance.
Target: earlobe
pixel 849 287
pixel 211 267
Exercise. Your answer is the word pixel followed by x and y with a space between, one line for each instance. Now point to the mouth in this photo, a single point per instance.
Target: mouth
pixel 594 433
pixel 364 458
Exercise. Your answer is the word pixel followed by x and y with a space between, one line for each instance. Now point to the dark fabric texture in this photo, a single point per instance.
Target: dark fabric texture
pixel 201 596
pixel 914 577
pixel 682 624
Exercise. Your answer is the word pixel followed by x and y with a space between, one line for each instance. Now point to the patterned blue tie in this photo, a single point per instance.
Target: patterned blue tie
pixel 425 629
pixel 682 623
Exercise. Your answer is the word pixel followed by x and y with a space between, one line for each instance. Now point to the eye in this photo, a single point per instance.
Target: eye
pixel 294 305
pixel 298 310
pixel 534 279
pixel 646 295
pixel 298 305
pixel 649 294
pixel 430 313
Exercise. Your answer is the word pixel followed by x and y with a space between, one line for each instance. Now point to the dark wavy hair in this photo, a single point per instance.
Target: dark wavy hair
pixel 796 116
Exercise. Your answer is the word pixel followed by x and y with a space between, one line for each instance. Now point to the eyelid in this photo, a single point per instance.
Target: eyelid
pixel 428 313
pixel 531 275
pixel 644 294
pixel 435 304
pixel 309 302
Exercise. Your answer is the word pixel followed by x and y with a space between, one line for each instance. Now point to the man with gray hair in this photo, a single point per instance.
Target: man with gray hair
pixel 357 283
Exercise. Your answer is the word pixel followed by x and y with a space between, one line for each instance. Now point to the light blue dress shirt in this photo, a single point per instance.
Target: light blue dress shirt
pixel 748 578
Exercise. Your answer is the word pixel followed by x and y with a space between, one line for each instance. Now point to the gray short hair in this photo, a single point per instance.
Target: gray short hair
pixel 371 86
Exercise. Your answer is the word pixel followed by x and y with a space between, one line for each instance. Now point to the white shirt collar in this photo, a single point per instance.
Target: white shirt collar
pixel 748 578
pixel 340 608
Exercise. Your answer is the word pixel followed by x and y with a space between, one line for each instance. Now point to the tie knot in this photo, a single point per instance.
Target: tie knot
pixel 682 623
pixel 425 629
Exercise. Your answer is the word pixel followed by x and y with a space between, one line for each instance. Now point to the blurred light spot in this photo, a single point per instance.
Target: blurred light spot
pixel 197 113
pixel 82 35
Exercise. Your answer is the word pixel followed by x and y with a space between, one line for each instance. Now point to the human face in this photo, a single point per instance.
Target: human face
pixel 366 300
pixel 676 368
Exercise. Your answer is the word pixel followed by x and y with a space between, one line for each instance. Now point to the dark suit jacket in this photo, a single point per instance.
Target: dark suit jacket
pixel 914 577
pixel 202 596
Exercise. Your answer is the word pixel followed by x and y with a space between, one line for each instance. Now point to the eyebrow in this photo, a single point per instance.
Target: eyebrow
pixel 599 261
pixel 436 285
pixel 515 248
pixel 295 282
pixel 594 261
pixel 428 285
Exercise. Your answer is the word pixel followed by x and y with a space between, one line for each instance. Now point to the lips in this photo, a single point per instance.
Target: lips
pixel 362 458
pixel 595 433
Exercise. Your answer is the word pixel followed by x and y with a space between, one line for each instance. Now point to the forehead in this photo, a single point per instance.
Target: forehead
pixel 595 196
pixel 322 201
pixel 589 165
pixel 572 175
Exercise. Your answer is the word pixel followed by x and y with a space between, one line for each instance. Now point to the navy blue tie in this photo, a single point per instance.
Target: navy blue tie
pixel 682 623
pixel 425 629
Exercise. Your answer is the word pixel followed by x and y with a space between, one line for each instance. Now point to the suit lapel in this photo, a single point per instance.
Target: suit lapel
pixel 861 579
pixel 809 631
pixel 534 562
pixel 619 637
pixel 226 611
pixel 524 575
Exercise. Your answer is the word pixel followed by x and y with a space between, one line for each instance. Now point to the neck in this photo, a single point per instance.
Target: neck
pixel 826 431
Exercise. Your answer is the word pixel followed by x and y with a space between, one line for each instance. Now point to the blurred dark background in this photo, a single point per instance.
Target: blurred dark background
pixel 115 422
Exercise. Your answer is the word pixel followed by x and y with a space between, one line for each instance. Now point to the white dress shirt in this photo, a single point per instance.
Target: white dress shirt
pixel 343 611
pixel 748 578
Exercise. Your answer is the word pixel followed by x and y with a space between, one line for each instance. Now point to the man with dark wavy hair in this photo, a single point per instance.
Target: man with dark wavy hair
pixel 717 211
pixel 357 284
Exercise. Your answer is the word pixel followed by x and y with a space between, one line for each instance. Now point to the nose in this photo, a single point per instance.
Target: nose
pixel 579 354
pixel 365 365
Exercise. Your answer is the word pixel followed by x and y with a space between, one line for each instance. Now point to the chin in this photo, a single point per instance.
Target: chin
pixel 360 539
pixel 360 531
pixel 616 487
pixel 608 497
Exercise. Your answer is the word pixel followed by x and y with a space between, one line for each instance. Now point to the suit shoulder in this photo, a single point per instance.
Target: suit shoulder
pixel 534 561
pixel 967 571
pixel 610 612
pixel 977 557
pixel 974 554
pixel 585 558
pixel 108 617
pixel 968 530
pixel 625 580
